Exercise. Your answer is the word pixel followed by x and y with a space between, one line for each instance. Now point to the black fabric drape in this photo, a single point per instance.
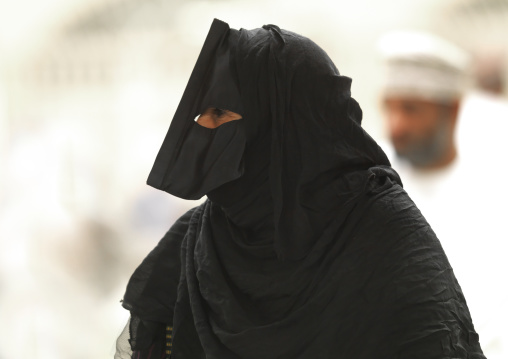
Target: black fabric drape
pixel 315 251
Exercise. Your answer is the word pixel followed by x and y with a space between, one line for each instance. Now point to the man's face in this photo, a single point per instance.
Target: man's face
pixel 420 131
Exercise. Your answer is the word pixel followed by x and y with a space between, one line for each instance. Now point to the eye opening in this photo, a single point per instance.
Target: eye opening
pixel 215 111
pixel 213 117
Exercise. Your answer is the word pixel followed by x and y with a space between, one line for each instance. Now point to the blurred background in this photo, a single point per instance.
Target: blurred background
pixel 87 92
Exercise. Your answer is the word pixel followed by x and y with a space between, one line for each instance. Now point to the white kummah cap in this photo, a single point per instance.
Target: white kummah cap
pixel 424 66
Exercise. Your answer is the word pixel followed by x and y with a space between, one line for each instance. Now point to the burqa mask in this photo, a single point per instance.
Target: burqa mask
pixel 194 160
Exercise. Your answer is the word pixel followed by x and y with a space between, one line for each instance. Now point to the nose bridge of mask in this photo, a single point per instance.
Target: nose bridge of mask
pixel 220 89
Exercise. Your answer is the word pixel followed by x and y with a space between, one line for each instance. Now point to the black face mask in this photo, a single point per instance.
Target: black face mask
pixel 194 160
pixel 206 160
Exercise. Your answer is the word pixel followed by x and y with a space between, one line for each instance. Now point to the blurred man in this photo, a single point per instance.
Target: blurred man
pixel 454 181
pixel 422 94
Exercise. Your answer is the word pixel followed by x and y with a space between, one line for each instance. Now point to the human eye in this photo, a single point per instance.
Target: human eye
pixel 219 112
pixel 213 117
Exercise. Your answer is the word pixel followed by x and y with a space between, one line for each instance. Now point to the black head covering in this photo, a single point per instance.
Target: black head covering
pixel 300 131
pixel 308 246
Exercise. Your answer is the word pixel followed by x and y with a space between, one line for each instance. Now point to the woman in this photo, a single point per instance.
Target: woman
pixel 307 246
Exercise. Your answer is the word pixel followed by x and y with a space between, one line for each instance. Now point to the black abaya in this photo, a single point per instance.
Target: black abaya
pixel 307 246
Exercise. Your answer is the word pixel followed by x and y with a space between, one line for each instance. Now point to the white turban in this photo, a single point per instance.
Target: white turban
pixel 423 66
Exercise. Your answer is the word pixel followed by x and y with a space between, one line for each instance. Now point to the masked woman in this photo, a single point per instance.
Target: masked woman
pixel 307 246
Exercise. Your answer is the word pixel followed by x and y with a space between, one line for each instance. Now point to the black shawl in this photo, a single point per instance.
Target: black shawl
pixel 313 250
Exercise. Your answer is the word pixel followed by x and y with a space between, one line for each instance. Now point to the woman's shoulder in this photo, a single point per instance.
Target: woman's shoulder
pixel 181 225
